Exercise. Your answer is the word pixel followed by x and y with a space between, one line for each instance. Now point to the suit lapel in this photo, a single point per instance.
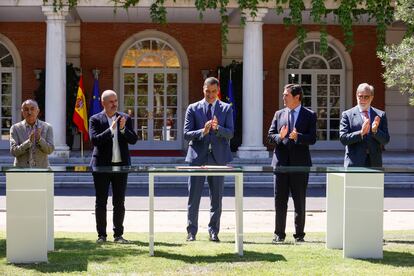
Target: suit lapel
pixel 218 110
pixel 372 114
pixel 356 117
pixel 283 119
pixel 200 109
pixel 104 120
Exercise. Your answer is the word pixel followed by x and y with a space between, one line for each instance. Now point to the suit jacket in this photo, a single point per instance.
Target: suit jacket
pixel 198 146
pixel 20 144
pixel 288 152
pixel 356 147
pixel 101 137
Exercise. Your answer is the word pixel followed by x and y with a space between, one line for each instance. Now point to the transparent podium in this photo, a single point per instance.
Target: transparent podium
pixel 354 205
pixel 200 171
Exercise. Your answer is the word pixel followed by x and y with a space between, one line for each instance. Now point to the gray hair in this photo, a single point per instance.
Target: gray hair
pixel 108 93
pixel 365 87
pixel 30 102
pixel 211 81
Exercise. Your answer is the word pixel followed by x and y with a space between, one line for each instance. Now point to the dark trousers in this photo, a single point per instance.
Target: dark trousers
pixel 296 184
pixel 101 183
pixel 195 189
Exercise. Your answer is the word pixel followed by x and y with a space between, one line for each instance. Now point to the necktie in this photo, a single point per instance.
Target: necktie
pixel 365 114
pixel 32 160
pixel 291 120
pixel 209 112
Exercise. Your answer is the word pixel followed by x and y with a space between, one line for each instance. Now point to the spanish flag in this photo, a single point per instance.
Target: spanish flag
pixel 80 115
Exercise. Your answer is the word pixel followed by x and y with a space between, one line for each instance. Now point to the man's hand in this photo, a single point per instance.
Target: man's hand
pixel 293 135
pixel 122 122
pixel 113 126
pixel 207 127
pixel 32 136
pixel 283 131
pixel 365 127
pixel 37 133
pixel 214 123
pixel 375 124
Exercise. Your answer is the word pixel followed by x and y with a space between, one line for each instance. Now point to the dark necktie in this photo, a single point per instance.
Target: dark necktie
pixel 209 112
pixel 291 120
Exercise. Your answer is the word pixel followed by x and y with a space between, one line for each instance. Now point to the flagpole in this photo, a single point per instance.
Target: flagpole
pixel 81 143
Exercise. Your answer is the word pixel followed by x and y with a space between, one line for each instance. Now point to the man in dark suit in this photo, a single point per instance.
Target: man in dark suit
pixel 110 132
pixel 292 130
pixel 208 127
pixel 363 131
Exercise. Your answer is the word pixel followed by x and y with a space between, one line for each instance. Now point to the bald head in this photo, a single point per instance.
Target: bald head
pixel 109 102
pixel 107 93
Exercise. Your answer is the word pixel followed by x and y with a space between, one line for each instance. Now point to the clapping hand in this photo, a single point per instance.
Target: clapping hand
pixel 207 127
pixel 283 131
pixel 214 123
pixel 365 127
pixel 113 126
pixel 293 135
pixel 122 122
pixel 375 124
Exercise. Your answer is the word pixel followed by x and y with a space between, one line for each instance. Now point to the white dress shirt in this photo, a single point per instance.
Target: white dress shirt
pixel 116 152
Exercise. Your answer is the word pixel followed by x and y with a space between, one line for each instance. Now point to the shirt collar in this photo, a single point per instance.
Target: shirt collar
pixel 360 109
pixel 297 109
pixel 112 118
pixel 206 103
pixel 35 124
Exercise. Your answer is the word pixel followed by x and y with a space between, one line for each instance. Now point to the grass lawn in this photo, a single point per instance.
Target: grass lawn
pixel 77 254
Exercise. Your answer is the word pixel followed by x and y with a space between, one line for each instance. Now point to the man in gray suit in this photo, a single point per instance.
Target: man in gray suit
pixel 363 131
pixel 208 127
pixel 31 140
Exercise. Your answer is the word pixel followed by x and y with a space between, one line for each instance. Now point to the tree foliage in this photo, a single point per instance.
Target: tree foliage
pixel 398 59
pixel 347 13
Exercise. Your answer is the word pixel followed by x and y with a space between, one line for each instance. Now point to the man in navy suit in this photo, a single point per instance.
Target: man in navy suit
pixel 363 131
pixel 208 127
pixel 110 132
pixel 292 130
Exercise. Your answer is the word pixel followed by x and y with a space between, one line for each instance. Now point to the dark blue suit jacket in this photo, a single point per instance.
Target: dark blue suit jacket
pixel 356 147
pixel 195 119
pixel 288 152
pixel 101 137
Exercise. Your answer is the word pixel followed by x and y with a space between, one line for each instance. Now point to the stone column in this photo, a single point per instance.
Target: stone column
pixel 252 146
pixel 55 96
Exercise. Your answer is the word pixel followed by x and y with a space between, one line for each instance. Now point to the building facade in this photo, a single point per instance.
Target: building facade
pixel 157 70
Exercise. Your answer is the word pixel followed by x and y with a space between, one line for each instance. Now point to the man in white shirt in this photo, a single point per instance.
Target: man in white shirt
pixel 110 132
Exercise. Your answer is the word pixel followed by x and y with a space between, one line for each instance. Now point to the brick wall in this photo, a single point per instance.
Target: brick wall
pixel 30 41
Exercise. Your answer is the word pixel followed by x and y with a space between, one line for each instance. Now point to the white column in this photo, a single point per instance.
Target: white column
pixel 55 96
pixel 252 146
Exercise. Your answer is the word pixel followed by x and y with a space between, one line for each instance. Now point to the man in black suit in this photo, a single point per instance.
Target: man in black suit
pixel 110 132
pixel 292 130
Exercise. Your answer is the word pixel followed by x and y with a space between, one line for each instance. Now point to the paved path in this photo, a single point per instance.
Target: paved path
pixel 75 213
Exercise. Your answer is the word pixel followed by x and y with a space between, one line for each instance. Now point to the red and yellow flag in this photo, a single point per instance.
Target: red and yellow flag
pixel 80 115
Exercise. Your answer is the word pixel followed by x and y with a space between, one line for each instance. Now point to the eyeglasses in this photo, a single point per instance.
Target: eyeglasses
pixel 365 97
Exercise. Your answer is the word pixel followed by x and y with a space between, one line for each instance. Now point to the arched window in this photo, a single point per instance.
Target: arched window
pixel 151 87
pixel 7 87
pixel 322 77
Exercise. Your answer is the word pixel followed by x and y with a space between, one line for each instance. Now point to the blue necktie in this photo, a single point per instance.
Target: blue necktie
pixel 209 112
pixel 291 121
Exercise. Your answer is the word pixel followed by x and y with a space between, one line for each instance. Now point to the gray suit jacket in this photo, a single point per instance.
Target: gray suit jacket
pixel 20 145
pixel 356 147
pixel 195 119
